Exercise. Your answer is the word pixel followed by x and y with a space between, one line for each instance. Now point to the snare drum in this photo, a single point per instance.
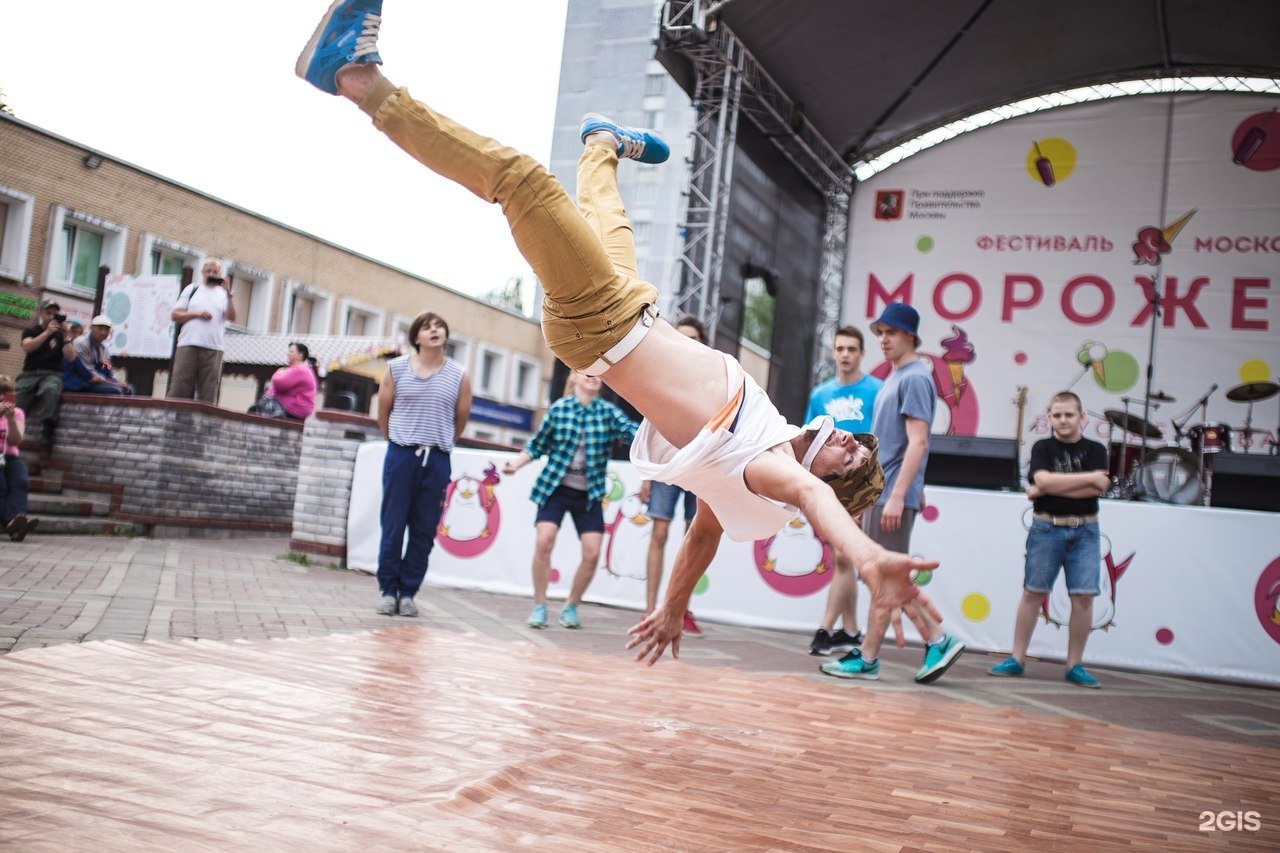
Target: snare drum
pixel 1211 438
pixel 1122 459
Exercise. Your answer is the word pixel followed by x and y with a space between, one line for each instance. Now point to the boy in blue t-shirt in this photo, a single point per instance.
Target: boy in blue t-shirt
pixel 850 398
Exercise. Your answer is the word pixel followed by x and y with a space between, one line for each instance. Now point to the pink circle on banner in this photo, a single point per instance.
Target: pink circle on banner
pixel 797 585
pixel 1019 358
pixel 1164 636
pixel 929 512
pixel 1266 599
pixel 1258 139
pixel 554 576
pixel 954 390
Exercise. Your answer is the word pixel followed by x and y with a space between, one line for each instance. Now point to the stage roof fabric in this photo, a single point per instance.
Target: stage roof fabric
pixel 871 74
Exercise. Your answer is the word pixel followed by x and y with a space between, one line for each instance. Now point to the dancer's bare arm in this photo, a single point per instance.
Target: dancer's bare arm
pixel 887 574
pixel 663 626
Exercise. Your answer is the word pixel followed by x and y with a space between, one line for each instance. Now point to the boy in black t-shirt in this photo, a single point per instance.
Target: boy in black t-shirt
pixel 1067 473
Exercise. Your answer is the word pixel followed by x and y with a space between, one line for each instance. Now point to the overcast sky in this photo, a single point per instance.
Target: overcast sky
pixel 204 94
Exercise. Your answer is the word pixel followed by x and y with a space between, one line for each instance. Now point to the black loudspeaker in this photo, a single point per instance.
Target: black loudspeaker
pixel 971 462
pixel 1246 481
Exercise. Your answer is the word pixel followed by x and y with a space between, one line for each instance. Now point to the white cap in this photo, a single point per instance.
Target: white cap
pixel 101 320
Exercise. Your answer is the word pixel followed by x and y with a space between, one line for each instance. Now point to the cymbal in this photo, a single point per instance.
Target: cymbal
pixel 1133 423
pixel 1161 397
pixel 1251 392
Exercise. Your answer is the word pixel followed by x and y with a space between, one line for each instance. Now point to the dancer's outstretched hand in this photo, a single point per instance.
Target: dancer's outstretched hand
pixel 888 577
pixel 652 634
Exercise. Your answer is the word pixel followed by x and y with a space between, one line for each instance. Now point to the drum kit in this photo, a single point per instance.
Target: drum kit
pixel 1180 470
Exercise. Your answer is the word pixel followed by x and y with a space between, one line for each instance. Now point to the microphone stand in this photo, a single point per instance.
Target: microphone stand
pixel 1139 491
pixel 1206 475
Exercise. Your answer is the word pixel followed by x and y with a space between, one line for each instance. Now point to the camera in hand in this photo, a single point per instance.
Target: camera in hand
pixel 214 279
pixel 60 318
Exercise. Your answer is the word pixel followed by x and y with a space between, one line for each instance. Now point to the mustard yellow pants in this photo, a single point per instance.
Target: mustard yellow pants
pixel 583 255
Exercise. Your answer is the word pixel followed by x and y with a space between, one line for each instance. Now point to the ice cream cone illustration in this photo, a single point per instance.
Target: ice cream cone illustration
pixel 957 352
pixel 1174 228
pixel 1092 354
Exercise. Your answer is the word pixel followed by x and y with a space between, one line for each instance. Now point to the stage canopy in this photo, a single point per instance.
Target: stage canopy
pixel 872 74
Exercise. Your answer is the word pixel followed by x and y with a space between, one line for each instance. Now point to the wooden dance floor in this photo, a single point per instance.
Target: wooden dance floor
pixel 420 738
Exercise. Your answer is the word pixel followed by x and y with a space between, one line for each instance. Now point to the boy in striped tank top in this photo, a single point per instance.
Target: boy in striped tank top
pixel 708 427
pixel 423 404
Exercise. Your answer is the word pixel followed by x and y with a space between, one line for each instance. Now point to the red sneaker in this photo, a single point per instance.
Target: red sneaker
pixel 691 625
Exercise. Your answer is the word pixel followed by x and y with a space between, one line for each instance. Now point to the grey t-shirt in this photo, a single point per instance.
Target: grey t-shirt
pixel 908 392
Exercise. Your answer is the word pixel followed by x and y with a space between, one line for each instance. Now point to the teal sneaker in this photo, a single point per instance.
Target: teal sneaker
pixel 644 146
pixel 538 616
pixel 938 658
pixel 1008 666
pixel 1080 677
pixel 569 617
pixel 853 665
pixel 347 33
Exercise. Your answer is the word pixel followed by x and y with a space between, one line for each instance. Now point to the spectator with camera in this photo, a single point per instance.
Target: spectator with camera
pixel 203 310
pixel 39 385
pixel 14 482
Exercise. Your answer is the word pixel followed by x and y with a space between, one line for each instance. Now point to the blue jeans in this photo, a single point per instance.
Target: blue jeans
pixel 1077 550
pixel 413 498
pixel 14 486
pixel 662 502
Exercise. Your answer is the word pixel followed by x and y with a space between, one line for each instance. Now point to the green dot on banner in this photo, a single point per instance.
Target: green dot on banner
pixel 701 586
pixel 925 244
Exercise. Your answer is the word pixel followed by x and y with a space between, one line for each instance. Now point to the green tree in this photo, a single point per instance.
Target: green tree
pixel 757 314
pixel 510 295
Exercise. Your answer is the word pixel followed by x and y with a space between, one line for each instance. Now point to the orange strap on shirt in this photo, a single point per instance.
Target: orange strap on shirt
pixel 725 416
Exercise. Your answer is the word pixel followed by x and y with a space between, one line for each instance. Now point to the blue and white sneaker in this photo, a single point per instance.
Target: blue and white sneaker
pixel 1080 677
pixel 853 665
pixel 938 658
pixel 538 616
pixel 644 146
pixel 347 33
pixel 569 617
pixel 1009 667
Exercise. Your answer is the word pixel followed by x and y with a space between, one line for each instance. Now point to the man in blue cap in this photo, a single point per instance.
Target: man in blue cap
pixel 903 414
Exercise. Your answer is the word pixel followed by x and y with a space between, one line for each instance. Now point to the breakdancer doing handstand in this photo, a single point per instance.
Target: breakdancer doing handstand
pixel 709 428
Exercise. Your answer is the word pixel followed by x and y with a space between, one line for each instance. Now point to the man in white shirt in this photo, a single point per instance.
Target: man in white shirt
pixel 203 310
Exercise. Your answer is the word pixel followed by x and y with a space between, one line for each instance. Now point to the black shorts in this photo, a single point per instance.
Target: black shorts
pixel 587 518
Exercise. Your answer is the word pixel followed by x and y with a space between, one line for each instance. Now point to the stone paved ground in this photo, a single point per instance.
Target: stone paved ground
pixel 74 589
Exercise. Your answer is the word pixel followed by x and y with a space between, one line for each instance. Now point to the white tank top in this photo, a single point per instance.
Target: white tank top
pixel 712 465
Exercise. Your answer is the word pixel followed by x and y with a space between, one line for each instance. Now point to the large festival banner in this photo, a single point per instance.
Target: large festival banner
pixel 1185 590
pixel 140 308
pixel 1033 250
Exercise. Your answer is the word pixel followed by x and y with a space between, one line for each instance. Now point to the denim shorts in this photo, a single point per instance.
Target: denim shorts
pixel 1078 550
pixel 587 517
pixel 662 502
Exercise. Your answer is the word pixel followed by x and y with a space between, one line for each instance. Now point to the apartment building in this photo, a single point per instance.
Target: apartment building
pixel 67 210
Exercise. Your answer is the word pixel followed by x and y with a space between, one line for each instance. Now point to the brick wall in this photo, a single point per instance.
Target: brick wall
pixel 181 465
pixel 328 459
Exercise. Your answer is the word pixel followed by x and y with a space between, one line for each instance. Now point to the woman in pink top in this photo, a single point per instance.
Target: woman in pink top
pixel 14 483
pixel 294 385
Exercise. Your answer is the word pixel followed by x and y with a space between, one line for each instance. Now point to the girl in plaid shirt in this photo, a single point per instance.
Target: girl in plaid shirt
pixel 575 436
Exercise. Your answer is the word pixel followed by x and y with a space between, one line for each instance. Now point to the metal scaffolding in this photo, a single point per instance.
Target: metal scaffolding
pixel 729 82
